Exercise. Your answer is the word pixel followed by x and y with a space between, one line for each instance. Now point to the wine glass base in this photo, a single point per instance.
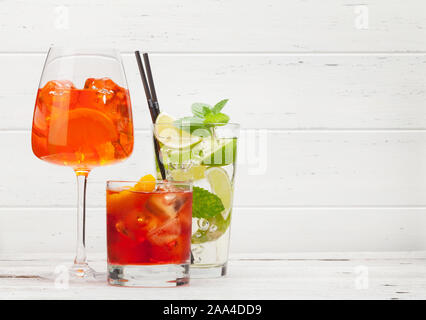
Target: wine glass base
pixel 64 275
pixel 82 271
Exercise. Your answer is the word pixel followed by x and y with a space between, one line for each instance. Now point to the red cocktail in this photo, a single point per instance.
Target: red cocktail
pixel 148 231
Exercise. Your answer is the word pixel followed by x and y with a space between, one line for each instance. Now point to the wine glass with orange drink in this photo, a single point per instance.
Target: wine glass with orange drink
pixel 82 119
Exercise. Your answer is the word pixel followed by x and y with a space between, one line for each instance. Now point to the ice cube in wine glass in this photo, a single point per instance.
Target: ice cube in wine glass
pixel 57 94
pixel 105 95
pixel 96 94
pixel 105 84
pixel 105 89
pixel 54 87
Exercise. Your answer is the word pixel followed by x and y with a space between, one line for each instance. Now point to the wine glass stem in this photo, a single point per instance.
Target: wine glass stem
pixel 81 217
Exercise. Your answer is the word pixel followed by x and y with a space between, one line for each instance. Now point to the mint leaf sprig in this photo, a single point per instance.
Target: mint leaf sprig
pixel 205 204
pixel 204 117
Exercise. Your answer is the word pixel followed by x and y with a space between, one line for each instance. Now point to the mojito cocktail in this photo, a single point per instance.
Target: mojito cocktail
pixel 204 154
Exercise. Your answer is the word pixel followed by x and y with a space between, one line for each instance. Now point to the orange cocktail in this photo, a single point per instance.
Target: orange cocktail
pixel 82 122
pixel 82 128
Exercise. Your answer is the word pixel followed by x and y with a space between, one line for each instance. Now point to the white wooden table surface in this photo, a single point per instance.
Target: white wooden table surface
pixel 400 275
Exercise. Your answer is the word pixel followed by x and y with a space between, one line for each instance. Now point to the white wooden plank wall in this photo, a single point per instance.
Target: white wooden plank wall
pixel 330 94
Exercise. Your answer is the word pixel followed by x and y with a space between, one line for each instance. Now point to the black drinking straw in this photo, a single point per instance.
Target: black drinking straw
pixel 154 108
pixel 150 79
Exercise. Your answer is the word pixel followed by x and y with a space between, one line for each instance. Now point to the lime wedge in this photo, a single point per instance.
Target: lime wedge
pixel 193 173
pixel 179 156
pixel 221 152
pixel 170 136
pixel 221 186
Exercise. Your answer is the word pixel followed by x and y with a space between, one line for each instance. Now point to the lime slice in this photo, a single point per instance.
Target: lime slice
pixel 171 136
pixel 221 186
pixel 193 173
pixel 179 156
pixel 221 152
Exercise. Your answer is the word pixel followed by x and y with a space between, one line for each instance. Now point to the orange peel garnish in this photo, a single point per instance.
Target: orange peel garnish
pixel 145 184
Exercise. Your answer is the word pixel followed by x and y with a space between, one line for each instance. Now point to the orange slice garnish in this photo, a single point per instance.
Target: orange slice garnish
pixel 145 184
pixel 90 126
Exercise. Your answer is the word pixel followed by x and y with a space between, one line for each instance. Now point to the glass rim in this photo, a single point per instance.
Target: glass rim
pixel 83 48
pixel 218 124
pixel 157 181
pixel 84 51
